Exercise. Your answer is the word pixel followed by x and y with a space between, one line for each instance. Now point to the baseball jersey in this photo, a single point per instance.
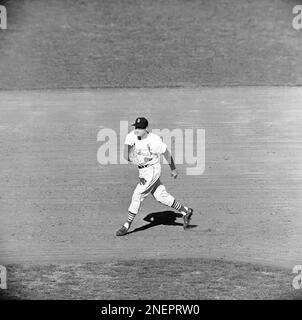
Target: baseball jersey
pixel 151 147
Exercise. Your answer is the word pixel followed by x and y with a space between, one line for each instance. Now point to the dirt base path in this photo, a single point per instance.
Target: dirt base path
pixel 57 204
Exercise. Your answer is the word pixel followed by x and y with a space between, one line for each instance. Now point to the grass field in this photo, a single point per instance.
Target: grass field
pixel 177 279
pixel 149 43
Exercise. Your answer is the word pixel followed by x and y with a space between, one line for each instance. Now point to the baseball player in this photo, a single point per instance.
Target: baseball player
pixel 149 147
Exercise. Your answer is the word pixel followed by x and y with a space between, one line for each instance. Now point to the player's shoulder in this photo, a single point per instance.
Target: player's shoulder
pixel 130 138
pixel 155 137
pixel 131 134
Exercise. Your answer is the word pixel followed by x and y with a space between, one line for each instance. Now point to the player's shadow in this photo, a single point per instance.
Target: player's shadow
pixel 167 218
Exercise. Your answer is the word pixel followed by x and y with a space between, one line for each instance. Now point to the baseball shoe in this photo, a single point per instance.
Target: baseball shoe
pixel 122 231
pixel 187 218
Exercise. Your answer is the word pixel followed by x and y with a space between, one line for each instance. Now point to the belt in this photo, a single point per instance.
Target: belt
pixel 144 166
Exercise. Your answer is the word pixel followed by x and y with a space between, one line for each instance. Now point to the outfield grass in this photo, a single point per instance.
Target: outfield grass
pixel 150 279
pixel 149 43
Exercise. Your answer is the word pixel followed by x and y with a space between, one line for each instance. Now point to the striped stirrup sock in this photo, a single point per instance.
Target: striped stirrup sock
pixel 130 218
pixel 179 207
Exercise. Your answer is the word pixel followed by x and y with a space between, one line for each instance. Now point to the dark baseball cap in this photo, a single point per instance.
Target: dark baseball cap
pixel 140 123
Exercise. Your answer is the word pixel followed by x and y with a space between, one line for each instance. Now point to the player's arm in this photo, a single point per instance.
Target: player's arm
pixel 171 163
pixel 127 149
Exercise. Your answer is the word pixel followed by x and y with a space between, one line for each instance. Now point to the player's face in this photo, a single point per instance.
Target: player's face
pixel 140 132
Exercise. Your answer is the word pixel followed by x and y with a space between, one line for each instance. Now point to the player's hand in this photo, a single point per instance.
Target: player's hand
pixel 142 181
pixel 174 173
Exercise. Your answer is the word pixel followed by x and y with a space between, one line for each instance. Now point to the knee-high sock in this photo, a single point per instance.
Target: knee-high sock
pixel 179 207
pixel 130 218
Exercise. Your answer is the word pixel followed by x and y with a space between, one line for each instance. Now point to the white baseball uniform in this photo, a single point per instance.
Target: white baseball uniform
pixel 151 147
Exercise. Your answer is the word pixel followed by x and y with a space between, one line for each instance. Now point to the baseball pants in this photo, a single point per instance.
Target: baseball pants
pixel 152 184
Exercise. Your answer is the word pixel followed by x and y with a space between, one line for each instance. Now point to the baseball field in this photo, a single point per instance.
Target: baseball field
pixel 61 208
pixel 65 77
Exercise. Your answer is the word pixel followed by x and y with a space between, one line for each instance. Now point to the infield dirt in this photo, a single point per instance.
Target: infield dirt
pixel 59 204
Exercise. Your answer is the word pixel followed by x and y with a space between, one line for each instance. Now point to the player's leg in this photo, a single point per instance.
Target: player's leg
pixel 161 195
pixel 180 207
pixel 137 198
pixel 140 193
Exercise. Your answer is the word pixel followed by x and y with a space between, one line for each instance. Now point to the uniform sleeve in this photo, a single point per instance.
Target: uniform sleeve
pixel 161 147
pixel 129 139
